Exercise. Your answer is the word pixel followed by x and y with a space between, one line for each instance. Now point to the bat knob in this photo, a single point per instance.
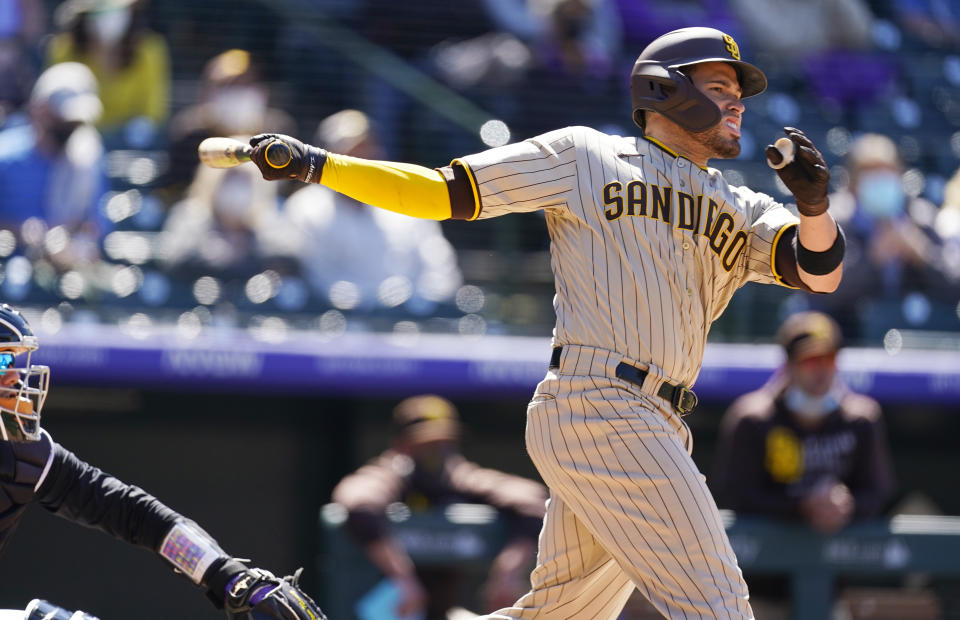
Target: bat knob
pixel 781 154
pixel 277 154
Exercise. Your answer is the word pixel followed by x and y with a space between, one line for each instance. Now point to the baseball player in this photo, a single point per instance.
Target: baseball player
pixel 648 246
pixel 33 468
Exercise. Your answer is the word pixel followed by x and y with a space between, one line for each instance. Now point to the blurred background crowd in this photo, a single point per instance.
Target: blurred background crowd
pixel 105 214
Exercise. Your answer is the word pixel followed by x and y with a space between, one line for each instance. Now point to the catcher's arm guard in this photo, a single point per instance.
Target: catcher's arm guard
pixel 243 592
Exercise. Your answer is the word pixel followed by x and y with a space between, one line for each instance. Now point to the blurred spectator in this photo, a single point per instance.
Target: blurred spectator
pixel 933 22
pixel 947 223
pixel 821 40
pixel 131 63
pixel 358 256
pixel 947 226
pixel 485 50
pixel 51 169
pixel 232 100
pixel 22 23
pixel 576 49
pixel 804 446
pixel 795 28
pixel 645 21
pixel 894 270
pixel 425 470
pixel 227 225
pixel 411 30
pixel 579 37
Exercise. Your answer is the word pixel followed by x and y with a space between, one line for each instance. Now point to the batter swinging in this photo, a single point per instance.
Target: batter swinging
pixel 648 246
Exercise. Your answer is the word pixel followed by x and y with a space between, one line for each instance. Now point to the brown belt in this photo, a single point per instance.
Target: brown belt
pixel 683 399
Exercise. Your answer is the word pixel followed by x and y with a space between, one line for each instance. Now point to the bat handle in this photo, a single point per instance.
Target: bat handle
pixel 277 154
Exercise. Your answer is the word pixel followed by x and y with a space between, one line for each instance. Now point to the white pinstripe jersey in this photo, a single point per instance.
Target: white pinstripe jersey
pixel 647 248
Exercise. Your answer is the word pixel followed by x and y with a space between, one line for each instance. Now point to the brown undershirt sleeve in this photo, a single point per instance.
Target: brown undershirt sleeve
pixel 463 205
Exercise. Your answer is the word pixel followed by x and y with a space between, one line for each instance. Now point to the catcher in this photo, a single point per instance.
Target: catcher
pixel 33 468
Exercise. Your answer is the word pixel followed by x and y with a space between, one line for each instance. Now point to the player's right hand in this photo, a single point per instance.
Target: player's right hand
pixel 807 176
pixel 306 161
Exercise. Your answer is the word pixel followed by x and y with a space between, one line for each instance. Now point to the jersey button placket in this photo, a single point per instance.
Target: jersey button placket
pixel 680 243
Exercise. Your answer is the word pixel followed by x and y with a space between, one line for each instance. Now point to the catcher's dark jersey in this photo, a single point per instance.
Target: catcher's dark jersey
pixel 46 472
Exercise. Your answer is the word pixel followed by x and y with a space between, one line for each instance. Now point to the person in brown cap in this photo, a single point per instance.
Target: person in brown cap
pixel 425 470
pixel 805 445
pixel 894 252
pixel 232 100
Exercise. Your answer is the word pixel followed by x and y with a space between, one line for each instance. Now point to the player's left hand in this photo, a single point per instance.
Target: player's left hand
pixel 306 161
pixel 258 594
pixel 807 176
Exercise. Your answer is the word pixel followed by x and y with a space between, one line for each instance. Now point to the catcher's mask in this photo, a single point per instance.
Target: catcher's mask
pixel 658 81
pixel 22 395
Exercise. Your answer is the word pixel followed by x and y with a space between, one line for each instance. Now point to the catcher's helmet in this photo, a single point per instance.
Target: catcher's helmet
pixel 20 400
pixel 658 83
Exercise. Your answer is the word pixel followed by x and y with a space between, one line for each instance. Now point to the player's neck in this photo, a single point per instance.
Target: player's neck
pixel 678 146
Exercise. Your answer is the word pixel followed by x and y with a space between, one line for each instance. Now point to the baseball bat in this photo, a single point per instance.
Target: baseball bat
pixel 228 152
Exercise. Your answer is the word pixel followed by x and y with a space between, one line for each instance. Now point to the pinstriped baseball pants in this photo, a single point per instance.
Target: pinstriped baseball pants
pixel 628 507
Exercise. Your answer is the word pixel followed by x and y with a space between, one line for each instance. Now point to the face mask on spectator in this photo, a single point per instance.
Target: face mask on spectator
pixel 434 459
pixel 880 194
pixel 108 27
pixel 809 407
pixel 232 199
pixel 60 133
pixel 239 109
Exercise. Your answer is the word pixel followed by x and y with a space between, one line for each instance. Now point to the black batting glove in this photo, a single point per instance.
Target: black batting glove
pixel 246 593
pixel 807 176
pixel 281 157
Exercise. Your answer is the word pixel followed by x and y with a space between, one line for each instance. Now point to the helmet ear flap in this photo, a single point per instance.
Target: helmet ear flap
pixel 671 93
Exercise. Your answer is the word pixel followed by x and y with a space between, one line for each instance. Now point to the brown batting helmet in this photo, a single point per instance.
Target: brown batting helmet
pixel 659 83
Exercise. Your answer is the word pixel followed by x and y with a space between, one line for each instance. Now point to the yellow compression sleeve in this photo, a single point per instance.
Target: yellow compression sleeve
pixel 402 188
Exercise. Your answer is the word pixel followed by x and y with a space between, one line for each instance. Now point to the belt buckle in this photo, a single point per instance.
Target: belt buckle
pixel 684 400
